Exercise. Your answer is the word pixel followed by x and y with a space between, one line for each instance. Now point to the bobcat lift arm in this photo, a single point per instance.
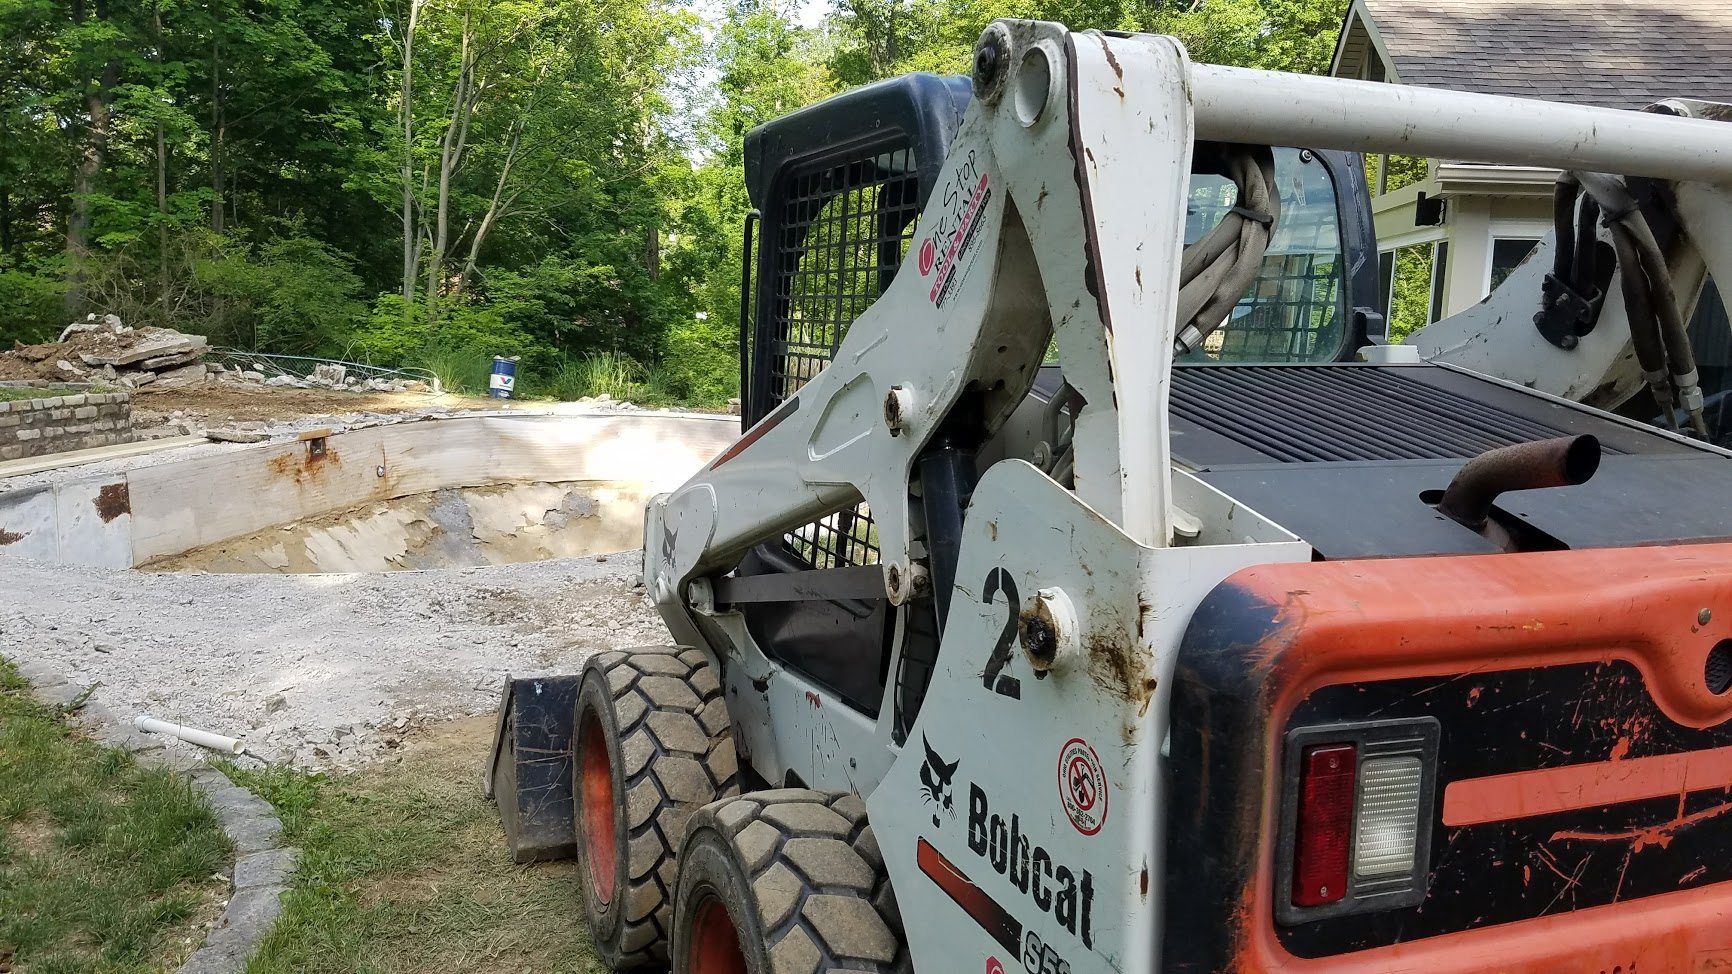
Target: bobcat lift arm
pixel 1357 667
pixel 1067 186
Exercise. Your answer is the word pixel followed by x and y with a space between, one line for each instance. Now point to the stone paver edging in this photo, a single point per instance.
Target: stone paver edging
pixel 262 863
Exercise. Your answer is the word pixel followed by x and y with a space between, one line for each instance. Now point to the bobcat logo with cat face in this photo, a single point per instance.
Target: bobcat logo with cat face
pixel 936 785
pixel 670 537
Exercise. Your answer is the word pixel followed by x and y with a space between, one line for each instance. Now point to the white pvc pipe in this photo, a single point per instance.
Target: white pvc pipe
pixel 191 735
pixel 1272 108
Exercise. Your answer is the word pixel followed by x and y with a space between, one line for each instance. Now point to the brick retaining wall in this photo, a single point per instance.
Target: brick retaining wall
pixel 66 419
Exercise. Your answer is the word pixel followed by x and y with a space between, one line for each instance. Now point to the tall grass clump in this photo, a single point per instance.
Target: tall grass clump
pixel 601 374
pixel 460 371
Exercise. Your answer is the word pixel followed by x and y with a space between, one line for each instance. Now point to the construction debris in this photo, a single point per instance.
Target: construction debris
pixel 227 435
pixel 327 375
pixel 107 350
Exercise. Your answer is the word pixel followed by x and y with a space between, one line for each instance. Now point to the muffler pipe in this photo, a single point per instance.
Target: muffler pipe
pixel 1563 462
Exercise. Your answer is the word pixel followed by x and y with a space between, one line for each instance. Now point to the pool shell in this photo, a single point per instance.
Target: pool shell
pixel 374 499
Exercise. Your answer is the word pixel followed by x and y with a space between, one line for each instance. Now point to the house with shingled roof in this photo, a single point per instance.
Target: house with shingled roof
pixel 1448 231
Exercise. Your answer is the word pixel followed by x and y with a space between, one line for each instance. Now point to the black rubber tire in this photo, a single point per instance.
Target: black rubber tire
pixel 658 716
pixel 801 879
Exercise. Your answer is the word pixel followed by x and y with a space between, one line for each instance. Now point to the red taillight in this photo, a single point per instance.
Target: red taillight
pixel 1323 835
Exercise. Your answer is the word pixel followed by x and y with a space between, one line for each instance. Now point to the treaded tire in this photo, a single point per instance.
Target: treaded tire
pixel 802 884
pixel 652 744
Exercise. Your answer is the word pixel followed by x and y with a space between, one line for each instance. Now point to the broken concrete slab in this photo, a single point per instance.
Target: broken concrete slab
pixel 146 343
pixel 107 323
pixel 228 435
pixel 169 361
pixel 181 378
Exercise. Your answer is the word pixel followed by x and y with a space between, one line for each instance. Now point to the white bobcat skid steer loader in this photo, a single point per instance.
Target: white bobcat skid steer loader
pixel 1202 647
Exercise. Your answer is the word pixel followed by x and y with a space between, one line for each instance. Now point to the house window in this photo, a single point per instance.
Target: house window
pixel 1399 172
pixel 1507 253
pixel 1413 276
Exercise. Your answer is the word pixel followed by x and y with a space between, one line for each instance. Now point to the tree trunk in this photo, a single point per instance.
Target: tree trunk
pixel 652 249
pixel 463 99
pixel 410 240
pixel 93 153
pixel 216 136
pixel 161 182
pixel 890 43
pixel 5 224
pixel 495 207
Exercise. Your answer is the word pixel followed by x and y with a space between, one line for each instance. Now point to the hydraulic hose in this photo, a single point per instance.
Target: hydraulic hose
pixel 1644 333
pixel 1564 196
pixel 1642 267
pixel 1680 357
pixel 1582 264
pixel 1215 271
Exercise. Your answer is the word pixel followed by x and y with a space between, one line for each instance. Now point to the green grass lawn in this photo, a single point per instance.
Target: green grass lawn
pixel 104 866
pixel 404 869
pixel 15 393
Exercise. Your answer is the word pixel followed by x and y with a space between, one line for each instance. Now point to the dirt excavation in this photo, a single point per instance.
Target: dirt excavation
pixel 219 405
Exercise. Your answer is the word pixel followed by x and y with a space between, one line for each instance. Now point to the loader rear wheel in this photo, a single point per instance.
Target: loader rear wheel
pixel 788 881
pixel 653 745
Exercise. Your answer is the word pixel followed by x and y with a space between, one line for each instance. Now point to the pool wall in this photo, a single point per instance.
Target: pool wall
pixel 128 518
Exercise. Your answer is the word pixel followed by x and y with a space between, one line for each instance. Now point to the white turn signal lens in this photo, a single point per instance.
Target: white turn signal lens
pixel 1387 836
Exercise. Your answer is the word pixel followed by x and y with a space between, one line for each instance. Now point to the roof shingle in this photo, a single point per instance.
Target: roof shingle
pixel 1613 53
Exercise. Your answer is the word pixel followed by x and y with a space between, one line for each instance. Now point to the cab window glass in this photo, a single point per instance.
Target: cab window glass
pixel 1294 311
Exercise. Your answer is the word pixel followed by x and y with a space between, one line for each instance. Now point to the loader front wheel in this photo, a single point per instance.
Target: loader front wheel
pixel 787 881
pixel 653 745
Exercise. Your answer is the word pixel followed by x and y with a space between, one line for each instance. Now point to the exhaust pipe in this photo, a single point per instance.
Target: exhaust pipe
pixel 1563 462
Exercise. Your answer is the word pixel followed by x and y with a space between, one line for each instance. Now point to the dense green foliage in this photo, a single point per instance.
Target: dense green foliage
pixel 438 181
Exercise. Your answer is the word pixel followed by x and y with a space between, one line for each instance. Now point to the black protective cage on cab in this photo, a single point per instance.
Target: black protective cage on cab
pixel 837 187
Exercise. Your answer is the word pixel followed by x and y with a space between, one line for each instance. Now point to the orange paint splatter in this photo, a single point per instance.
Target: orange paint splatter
pixel 1652 835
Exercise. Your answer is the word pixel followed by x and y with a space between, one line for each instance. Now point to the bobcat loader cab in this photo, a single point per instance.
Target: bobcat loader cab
pixel 1203 647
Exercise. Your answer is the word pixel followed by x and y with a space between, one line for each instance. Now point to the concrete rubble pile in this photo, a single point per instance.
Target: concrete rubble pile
pixel 329 375
pixel 105 350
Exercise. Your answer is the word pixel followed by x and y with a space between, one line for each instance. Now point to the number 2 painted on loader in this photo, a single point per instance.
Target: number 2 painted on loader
pixel 993 677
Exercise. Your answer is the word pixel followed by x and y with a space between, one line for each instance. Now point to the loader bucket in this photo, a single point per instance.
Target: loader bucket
pixel 529 769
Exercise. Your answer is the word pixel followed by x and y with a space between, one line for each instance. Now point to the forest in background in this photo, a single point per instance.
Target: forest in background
pixel 433 182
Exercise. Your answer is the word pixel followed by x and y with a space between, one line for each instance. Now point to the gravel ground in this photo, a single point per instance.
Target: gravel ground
pixel 319 670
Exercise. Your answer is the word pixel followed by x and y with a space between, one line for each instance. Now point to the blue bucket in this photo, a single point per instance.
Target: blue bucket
pixel 504 377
